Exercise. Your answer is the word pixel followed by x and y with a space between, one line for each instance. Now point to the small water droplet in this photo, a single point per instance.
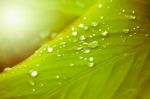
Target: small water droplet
pixel 7 69
pixel 146 35
pixel 80 48
pixel 86 27
pixel 104 34
pixel 86 51
pixel 81 25
pixel 93 44
pixel 126 31
pixel 102 17
pixel 81 57
pixel 71 65
pixel 34 73
pixel 32 83
pixel 50 49
pixel 57 77
pixel 91 59
pixel 74 33
pixel 94 24
pixel 90 64
pixel 82 37
pixel 33 90
pixel 99 5
pixel 58 55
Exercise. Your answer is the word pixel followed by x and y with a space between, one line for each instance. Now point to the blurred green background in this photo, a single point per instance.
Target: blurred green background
pixel 26 25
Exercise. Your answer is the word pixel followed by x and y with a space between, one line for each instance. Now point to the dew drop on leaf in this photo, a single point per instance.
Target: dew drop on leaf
pixel 91 59
pixel 90 64
pixel 7 69
pixel 94 24
pixel 126 31
pixel 57 77
pixel 104 34
pixel 93 44
pixel 74 33
pixel 99 5
pixel 71 65
pixel 34 73
pixel 82 37
pixel 50 49
pixel 86 51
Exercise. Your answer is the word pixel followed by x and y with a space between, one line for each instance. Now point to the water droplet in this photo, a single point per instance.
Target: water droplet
pixel 80 48
pixel 32 83
pixel 37 65
pixel 58 55
pixel 81 57
pixel 123 10
pixel 131 17
pixel 86 51
pixel 90 64
pixel 99 5
pixel 33 90
pixel 86 27
pixel 146 35
pixel 126 31
pixel 74 33
pixel 93 44
pixel 91 59
pixel 82 37
pixel 57 76
pixel 7 69
pixel 104 34
pixel 34 73
pixel 81 25
pixel 50 49
pixel 94 24
pixel 41 84
pixel 71 65
pixel 101 17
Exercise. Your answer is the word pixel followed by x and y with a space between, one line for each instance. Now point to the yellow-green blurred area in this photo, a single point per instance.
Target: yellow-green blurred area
pixel 27 24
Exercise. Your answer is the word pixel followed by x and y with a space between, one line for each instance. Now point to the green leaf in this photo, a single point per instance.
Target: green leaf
pixel 103 55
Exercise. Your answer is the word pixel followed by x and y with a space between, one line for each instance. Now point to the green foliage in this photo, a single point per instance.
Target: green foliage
pixel 103 55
